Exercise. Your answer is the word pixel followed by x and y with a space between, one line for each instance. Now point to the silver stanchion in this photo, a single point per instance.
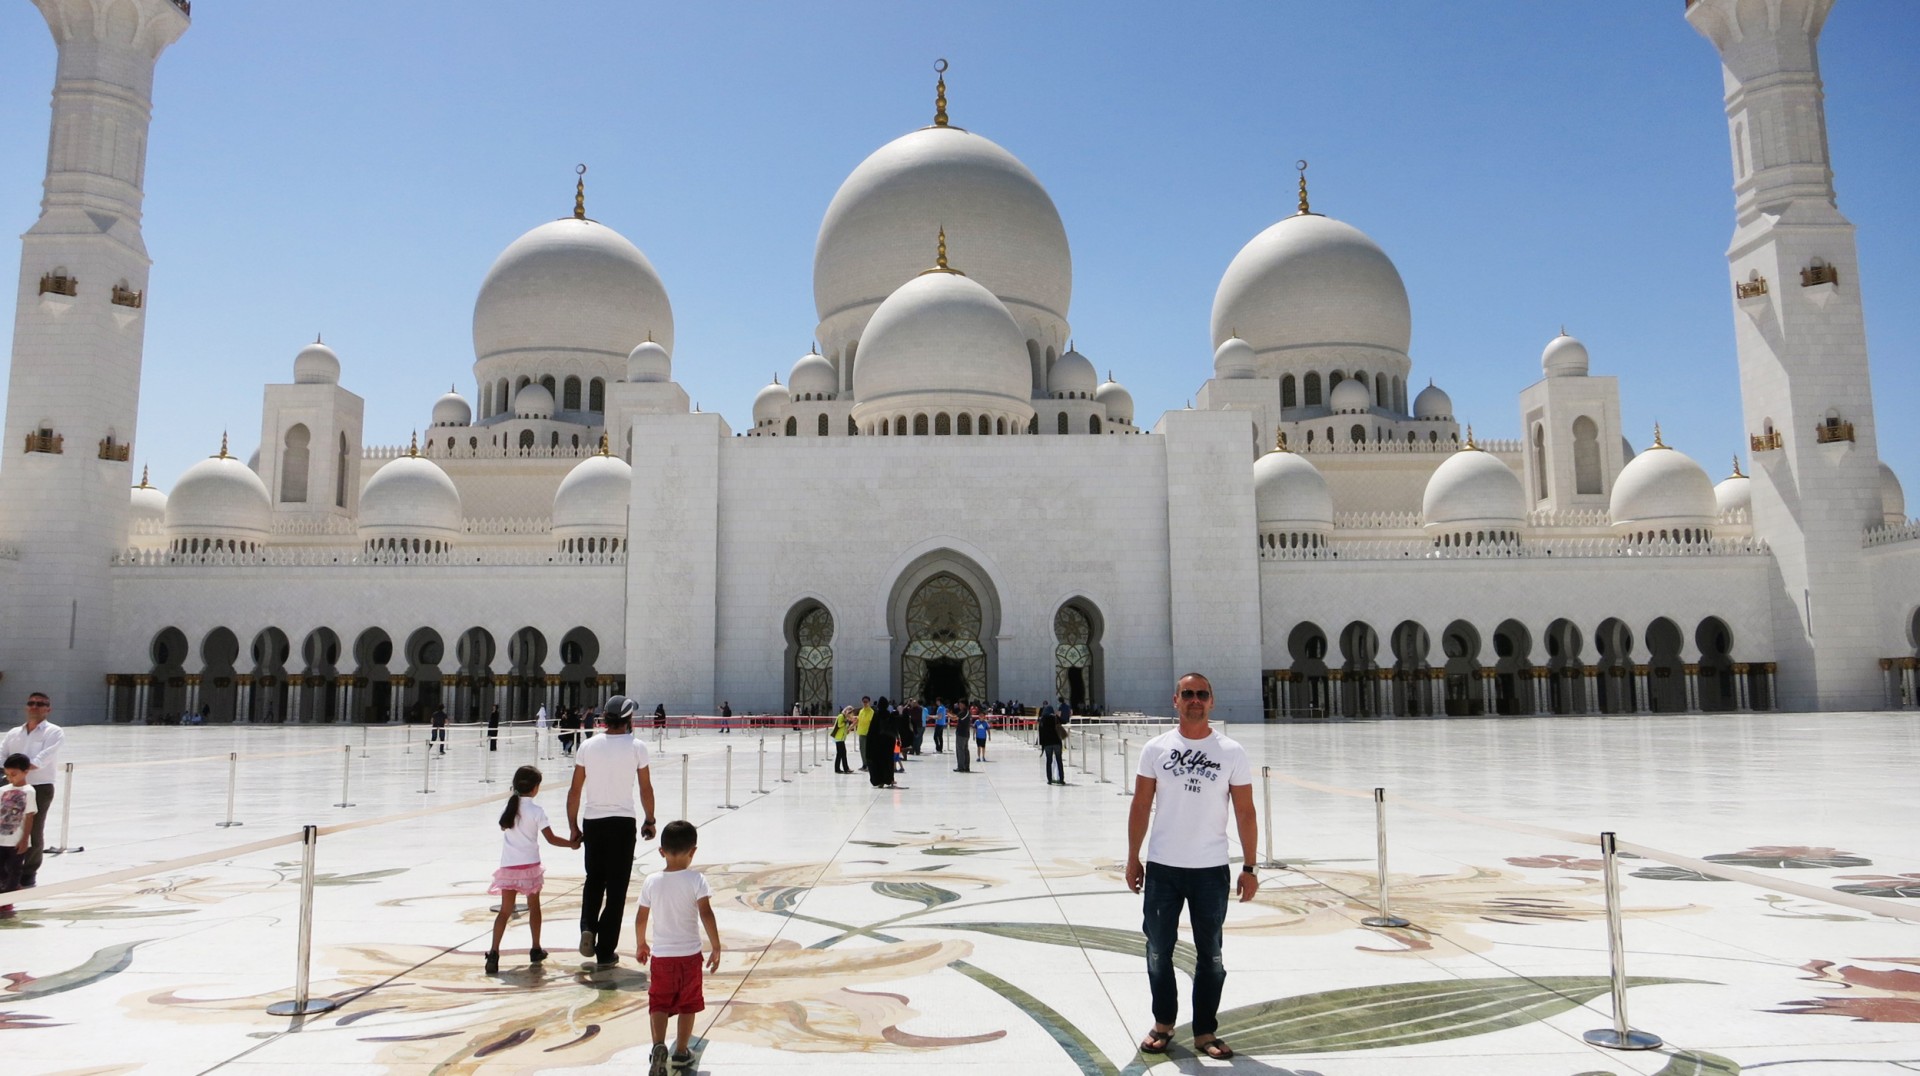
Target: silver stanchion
pixel 1386 918
pixel 363 741
pixel 301 1005
pixel 1266 806
pixel 346 771
pixel 486 765
pixel 233 778
pixel 1103 757
pixel 683 784
pixel 426 772
pixel 407 730
pixel 783 759
pixel 1620 1036
pixel 728 804
pixel 66 815
pixel 760 783
pixel 1126 751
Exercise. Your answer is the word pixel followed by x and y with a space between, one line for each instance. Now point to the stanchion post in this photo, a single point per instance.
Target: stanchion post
pixel 760 782
pixel 486 767
pixel 426 772
pixel 1126 752
pixel 783 759
pixel 66 815
pixel 727 803
pixel 363 741
pixel 301 1005
pixel 1621 1036
pixel 233 778
pixel 1103 757
pixel 683 784
pixel 346 772
pixel 1386 918
pixel 1266 808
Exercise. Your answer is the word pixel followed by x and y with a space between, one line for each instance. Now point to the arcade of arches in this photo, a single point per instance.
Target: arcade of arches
pixel 1351 676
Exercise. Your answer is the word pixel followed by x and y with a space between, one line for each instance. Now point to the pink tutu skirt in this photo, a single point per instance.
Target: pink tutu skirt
pixel 526 878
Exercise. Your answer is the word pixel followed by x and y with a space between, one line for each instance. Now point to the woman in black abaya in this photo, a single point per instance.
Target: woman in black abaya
pixel 880 739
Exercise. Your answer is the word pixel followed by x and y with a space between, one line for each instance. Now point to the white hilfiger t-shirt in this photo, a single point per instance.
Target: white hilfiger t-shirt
pixel 1190 798
pixel 674 900
pixel 610 761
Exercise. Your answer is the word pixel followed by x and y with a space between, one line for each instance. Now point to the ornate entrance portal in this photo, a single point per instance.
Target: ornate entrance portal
pixel 944 652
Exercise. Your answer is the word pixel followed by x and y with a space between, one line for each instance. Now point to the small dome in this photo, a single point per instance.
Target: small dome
pixel 1893 499
pixel 1288 490
pixel 768 402
pixel 220 498
pixel 1474 489
pixel 1072 377
pixel 1116 399
pixel 1310 280
pixel 1564 357
pixel 593 498
pixel 452 410
pixel 533 401
pixel 1663 488
pixel 149 503
pixel 410 497
pixel 1235 360
pixel 814 377
pixel 649 363
pixel 316 365
pixel 1350 397
pixel 573 286
pixel 942 332
pixel 1734 493
pixel 1433 403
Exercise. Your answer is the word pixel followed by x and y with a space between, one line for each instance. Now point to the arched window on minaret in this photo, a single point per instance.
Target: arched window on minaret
pixel 1288 397
pixel 1586 456
pixel 294 458
pixel 570 394
pixel 1311 386
pixel 597 395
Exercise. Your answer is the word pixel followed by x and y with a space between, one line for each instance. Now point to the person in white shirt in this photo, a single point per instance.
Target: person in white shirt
pixel 40 740
pixel 600 815
pixel 1192 773
pixel 677 901
pixel 522 825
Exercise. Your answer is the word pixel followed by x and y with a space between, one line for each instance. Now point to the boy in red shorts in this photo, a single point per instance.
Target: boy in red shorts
pixel 678 901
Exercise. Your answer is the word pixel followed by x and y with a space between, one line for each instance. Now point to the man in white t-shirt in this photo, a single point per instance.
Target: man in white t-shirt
pixel 600 814
pixel 1192 773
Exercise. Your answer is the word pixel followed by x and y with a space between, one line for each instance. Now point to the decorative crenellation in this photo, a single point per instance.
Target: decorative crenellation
pixel 1887 534
pixel 1532 549
pixel 308 557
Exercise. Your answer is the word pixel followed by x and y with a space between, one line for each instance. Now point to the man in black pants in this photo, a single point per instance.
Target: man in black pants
pixel 600 814
pixel 962 732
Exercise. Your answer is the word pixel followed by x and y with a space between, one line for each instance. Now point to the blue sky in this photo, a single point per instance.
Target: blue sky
pixel 354 167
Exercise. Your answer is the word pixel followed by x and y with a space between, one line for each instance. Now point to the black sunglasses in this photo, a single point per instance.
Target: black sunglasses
pixel 1200 693
pixel 39 706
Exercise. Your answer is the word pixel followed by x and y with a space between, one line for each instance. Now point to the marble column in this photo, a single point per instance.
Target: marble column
pixel 1889 691
pixel 295 683
pixel 193 693
pixel 1773 698
pixel 396 699
pixel 1542 691
pixel 1489 693
pixel 1909 682
pixel 603 692
pixel 243 699
pixel 141 683
pixel 1641 700
pixel 450 698
pixel 1693 688
pixel 1336 692
pixel 1743 697
pixel 500 697
pixel 1284 678
pixel 113 696
pixel 343 700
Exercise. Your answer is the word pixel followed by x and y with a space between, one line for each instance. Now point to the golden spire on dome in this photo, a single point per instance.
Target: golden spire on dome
pixel 940 93
pixel 1469 446
pixel 1302 166
pixel 413 444
pixel 1280 441
pixel 580 193
pixel 603 444
pixel 1736 471
pixel 940 258
pixel 143 476
pixel 1657 442
pixel 223 447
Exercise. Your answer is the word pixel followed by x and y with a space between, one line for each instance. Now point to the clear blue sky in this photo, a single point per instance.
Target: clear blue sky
pixel 354 167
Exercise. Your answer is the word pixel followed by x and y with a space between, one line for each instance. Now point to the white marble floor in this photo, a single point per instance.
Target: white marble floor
pixel 979 922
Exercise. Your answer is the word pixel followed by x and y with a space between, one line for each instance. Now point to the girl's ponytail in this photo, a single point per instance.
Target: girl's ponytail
pixel 525 780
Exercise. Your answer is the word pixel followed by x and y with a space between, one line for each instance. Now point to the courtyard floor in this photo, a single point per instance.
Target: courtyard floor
pixel 979 922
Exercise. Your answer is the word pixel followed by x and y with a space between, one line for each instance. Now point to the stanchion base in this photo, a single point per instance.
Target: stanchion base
pixel 727 806
pixel 1635 1040
pixel 1272 865
pixel 1384 921
pixel 62 851
pixel 312 1007
pixel 229 825
pixel 346 805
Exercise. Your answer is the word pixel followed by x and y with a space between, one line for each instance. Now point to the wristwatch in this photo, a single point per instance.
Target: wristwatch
pixel 1247 868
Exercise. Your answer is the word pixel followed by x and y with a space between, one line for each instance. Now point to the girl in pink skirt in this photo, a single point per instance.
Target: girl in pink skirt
pixel 523 824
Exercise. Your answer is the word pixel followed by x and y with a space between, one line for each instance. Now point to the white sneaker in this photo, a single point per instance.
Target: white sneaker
pixel 586 943
pixel 657 1063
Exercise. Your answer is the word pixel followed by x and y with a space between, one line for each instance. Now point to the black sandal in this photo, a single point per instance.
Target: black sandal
pixel 1156 1042
pixel 1215 1048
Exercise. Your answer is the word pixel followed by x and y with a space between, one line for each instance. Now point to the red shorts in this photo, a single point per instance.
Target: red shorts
pixel 673 985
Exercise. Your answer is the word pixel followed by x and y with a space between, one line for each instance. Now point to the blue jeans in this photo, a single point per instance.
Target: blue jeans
pixel 1050 758
pixel 1204 891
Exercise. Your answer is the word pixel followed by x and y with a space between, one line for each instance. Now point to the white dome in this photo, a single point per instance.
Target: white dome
pixel 452 410
pixel 593 498
pixel 411 497
pixel 1662 487
pixel 149 503
pixel 220 498
pixel 1116 399
pixel 1474 489
pixel 1564 357
pixel 574 287
pixel 533 401
pixel 1289 490
pixel 813 376
pixel 1734 493
pixel 1235 360
pixel 1350 396
pixel 1072 378
pixel 942 332
pixel 768 402
pixel 1001 226
pixel 649 362
pixel 316 365
pixel 1893 499
pixel 1311 280
pixel 1433 403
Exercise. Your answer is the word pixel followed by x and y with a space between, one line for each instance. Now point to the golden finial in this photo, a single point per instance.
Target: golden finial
pixel 940 94
pixel 603 443
pixel 649 336
pixel 940 258
pixel 1302 166
pixel 413 444
pixel 1657 443
pixel 223 447
pixel 580 193
pixel 1280 441
pixel 143 476
pixel 316 338
pixel 1469 446
pixel 1736 471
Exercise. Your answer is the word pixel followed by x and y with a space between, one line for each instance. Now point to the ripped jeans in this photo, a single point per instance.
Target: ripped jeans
pixel 1204 891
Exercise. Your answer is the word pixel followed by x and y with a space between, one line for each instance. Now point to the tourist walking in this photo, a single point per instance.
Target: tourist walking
pixel 981 724
pixel 726 717
pixel 881 737
pixel 678 903
pixel 17 812
pixel 600 815
pixel 1048 733
pixel 522 826
pixel 862 727
pixel 962 731
pixel 437 729
pixel 842 725
pixel 40 740
pixel 493 729
pixel 939 726
pixel 1192 774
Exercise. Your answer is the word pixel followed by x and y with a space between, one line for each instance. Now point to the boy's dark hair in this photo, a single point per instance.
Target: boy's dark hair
pixel 18 761
pixel 679 836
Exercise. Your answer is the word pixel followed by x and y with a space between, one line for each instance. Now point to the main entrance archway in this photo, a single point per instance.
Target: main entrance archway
pixel 944 648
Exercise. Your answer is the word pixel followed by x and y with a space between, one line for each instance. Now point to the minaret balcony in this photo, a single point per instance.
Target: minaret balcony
pixel 46 441
pixel 1769 441
pixel 1833 431
pixel 115 451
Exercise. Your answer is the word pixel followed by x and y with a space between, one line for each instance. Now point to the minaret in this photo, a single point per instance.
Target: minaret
pixel 1795 289
pixel 74 388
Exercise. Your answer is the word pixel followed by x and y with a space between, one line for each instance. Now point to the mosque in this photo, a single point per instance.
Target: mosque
pixel 1319 531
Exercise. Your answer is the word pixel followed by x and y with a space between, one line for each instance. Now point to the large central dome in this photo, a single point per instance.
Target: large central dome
pixel 1000 224
pixel 570 289
pixel 1312 281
